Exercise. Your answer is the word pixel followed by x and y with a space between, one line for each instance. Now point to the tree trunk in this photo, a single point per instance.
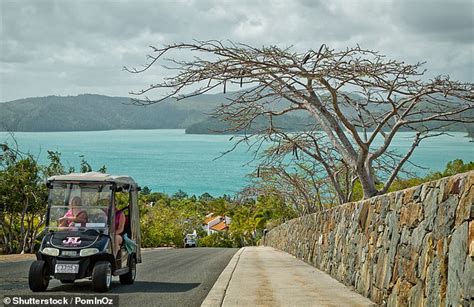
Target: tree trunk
pixel 10 248
pixel 28 233
pixel 35 231
pixel 22 227
pixel 367 182
pixel 5 237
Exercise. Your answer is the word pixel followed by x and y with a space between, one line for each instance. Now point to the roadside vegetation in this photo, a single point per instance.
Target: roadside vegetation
pixel 166 219
pixel 23 196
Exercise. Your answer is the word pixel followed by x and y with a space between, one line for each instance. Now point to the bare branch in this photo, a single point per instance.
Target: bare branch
pixel 352 96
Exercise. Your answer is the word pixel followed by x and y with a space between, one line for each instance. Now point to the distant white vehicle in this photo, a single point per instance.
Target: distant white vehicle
pixel 190 240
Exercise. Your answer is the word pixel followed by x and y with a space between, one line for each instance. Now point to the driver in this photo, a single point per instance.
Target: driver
pixel 74 214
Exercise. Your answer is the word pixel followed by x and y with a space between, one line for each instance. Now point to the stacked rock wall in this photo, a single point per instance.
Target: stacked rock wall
pixel 412 247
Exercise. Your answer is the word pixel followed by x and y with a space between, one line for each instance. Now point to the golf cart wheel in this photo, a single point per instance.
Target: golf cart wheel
pixel 101 276
pixel 129 277
pixel 38 278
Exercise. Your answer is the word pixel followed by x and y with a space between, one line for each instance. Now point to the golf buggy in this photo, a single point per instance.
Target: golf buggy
pixel 80 235
pixel 190 240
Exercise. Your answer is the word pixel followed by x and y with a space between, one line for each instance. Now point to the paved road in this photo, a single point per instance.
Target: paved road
pixel 167 277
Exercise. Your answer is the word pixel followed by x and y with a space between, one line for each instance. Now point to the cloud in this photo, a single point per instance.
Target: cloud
pixel 65 47
pixel 450 21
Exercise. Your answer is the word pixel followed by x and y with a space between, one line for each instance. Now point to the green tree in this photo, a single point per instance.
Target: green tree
pixel 452 167
pixel 85 166
pixel 146 190
pixel 55 166
pixel 102 169
pixel 180 194
pixel 218 239
pixel 23 196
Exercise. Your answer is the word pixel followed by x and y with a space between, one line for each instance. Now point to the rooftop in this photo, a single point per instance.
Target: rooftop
pixel 94 177
pixel 219 226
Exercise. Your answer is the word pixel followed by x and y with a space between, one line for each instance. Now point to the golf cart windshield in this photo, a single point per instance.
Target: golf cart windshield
pixel 78 205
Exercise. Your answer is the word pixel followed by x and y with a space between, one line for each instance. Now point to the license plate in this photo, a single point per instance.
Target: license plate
pixel 66 268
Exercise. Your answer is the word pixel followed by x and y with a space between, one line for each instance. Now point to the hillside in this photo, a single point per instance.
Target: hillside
pixel 90 112
pixel 97 112
pixel 286 122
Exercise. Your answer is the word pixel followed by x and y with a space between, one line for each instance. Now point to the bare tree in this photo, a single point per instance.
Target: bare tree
pixel 297 186
pixel 354 97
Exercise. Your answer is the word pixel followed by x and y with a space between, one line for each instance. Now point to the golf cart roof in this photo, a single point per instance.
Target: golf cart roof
pixel 94 177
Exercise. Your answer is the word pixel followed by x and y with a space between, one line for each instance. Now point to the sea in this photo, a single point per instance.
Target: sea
pixel 169 160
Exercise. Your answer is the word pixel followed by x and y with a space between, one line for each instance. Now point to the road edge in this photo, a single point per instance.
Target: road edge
pixel 215 297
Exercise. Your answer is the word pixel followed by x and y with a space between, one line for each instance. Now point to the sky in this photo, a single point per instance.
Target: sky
pixel 71 47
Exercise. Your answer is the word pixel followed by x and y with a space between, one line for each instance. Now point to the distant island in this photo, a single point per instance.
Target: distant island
pixel 91 112
pixel 287 123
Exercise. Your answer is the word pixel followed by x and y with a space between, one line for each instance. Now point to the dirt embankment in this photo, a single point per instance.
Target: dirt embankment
pixel 16 257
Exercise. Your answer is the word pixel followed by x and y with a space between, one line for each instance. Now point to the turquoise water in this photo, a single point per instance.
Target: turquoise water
pixel 169 160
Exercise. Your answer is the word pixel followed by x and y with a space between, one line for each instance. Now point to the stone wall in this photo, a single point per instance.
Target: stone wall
pixel 412 247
